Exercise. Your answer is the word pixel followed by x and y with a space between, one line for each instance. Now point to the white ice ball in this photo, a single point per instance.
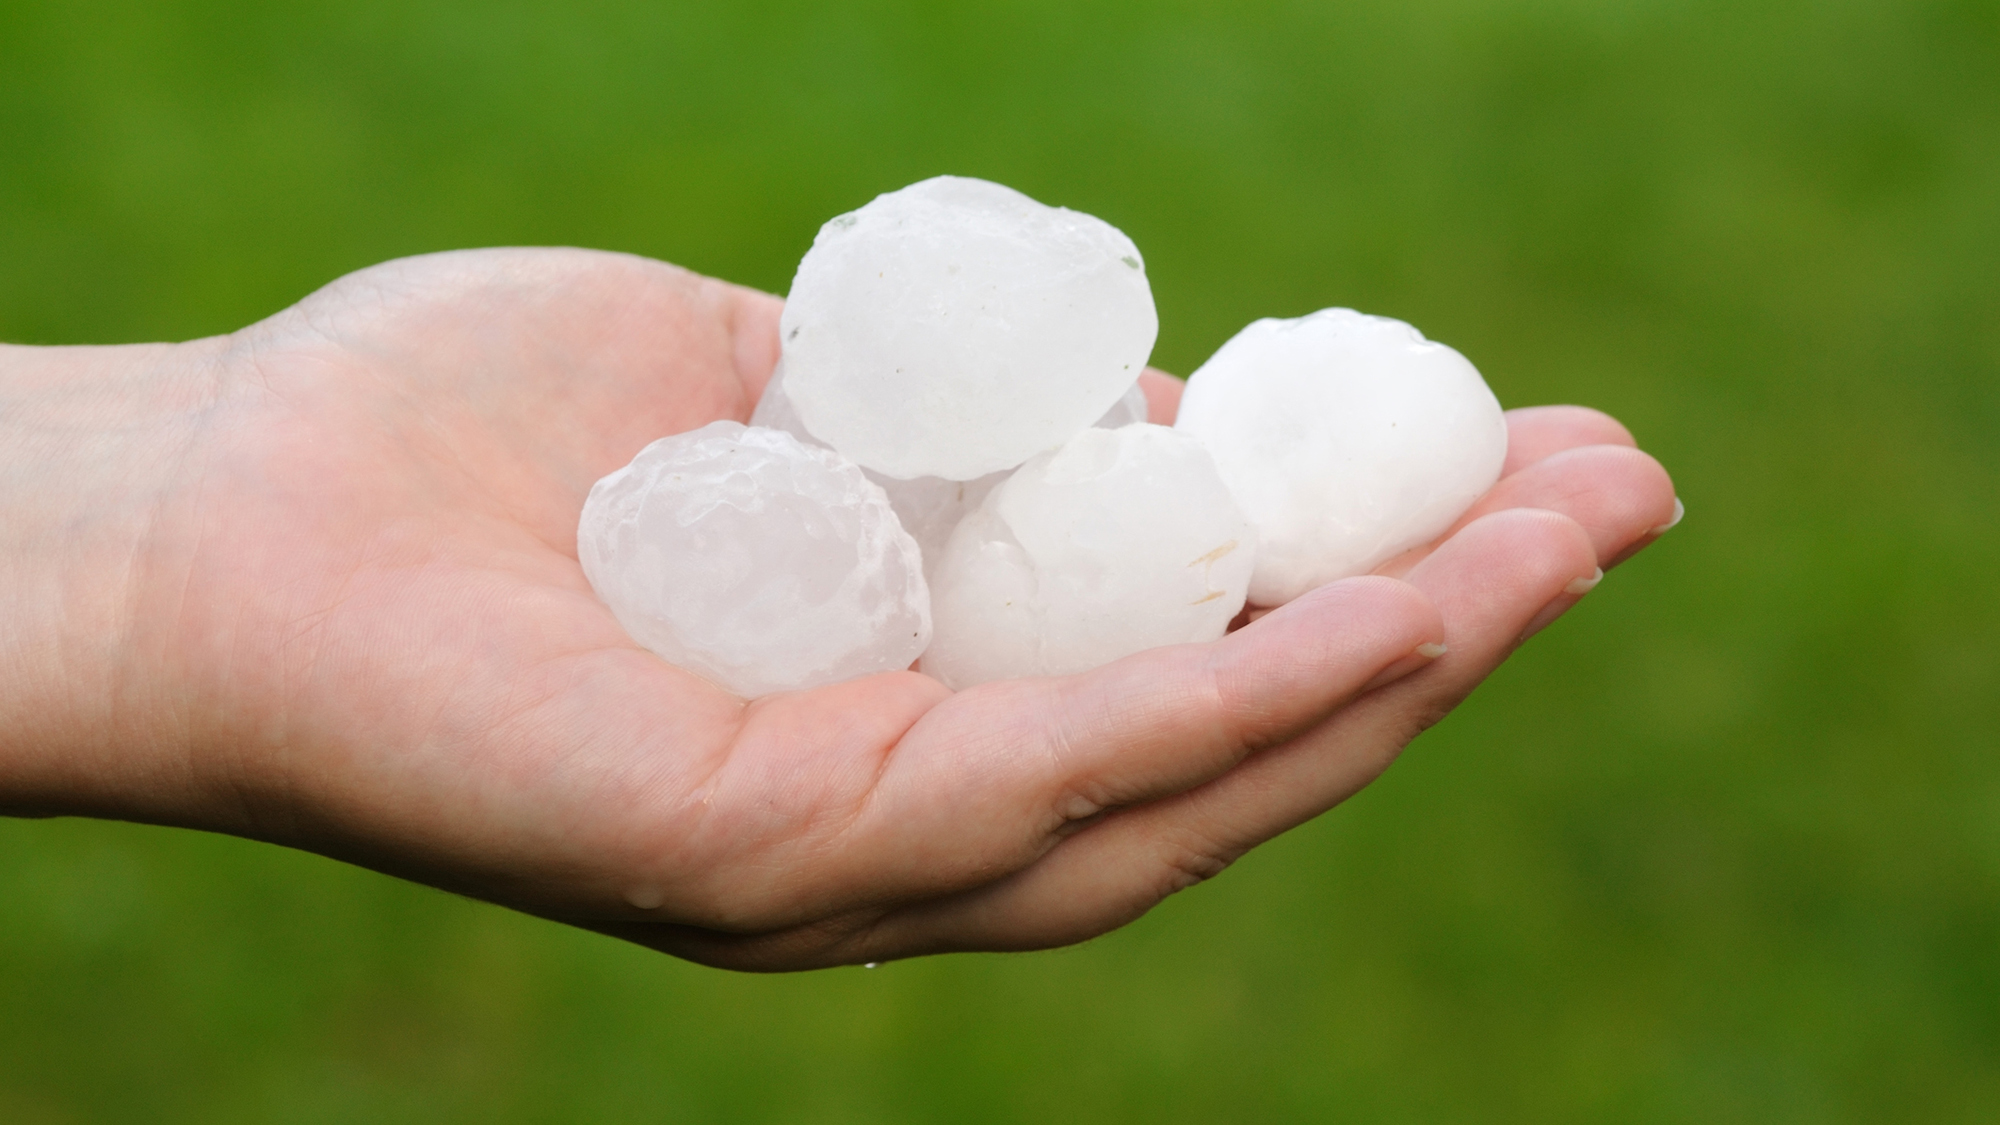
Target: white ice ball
pixel 957 328
pixel 929 507
pixel 1347 439
pixel 1122 540
pixel 756 560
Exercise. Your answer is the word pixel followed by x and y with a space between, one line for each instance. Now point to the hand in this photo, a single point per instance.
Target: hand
pixel 316 583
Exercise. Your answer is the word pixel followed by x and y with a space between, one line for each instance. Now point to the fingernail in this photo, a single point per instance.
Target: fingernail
pixel 1577 588
pixel 1421 658
pixel 1680 510
pixel 1584 585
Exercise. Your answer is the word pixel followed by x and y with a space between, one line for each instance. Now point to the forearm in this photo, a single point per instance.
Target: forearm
pixel 93 442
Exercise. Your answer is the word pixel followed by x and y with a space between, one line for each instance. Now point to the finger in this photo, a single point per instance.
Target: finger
pixel 1163 396
pixel 1490 582
pixel 985 781
pixel 1652 533
pixel 1609 489
pixel 752 319
pixel 1480 636
pixel 1537 432
pixel 989 779
pixel 1534 434
pixel 1161 721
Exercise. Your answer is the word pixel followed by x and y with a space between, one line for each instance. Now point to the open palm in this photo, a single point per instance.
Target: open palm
pixel 362 588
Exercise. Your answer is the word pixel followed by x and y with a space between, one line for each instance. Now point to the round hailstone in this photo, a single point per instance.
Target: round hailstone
pixel 957 328
pixel 929 507
pixel 1347 438
pixel 1122 540
pixel 755 560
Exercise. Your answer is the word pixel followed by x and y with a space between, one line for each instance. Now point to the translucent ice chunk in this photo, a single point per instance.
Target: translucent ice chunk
pixel 775 410
pixel 956 328
pixel 1347 439
pixel 930 507
pixel 760 562
pixel 1131 407
pixel 1121 540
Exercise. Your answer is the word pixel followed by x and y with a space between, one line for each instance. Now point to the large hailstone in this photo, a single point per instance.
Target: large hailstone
pixel 957 328
pixel 760 562
pixel 929 507
pixel 1347 439
pixel 1122 540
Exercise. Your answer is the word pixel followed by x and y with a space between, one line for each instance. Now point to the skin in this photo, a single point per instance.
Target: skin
pixel 315 583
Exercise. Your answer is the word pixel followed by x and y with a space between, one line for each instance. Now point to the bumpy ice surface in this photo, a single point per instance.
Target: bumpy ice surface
pixel 956 328
pixel 929 507
pixel 760 562
pixel 1346 438
pixel 1121 540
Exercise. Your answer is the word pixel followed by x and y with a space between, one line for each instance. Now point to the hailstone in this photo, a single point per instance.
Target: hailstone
pixel 956 328
pixel 1346 438
pixel 756 560
pixel 1121 540
pixel 929 507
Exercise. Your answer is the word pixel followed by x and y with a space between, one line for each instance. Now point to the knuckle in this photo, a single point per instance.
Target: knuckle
pixel 1080 800
pixel 1424 718
pixel 1240 719
pixel 1190 860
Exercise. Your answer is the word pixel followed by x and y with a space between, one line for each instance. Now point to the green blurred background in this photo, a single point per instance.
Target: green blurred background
pixel 1723 847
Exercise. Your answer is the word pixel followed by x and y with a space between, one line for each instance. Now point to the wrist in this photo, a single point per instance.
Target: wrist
pixel 94 443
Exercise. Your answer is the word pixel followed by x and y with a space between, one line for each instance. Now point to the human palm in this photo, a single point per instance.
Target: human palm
pixel 373 640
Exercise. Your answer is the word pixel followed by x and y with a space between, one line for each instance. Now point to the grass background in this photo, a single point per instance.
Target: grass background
pixel 1723 847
